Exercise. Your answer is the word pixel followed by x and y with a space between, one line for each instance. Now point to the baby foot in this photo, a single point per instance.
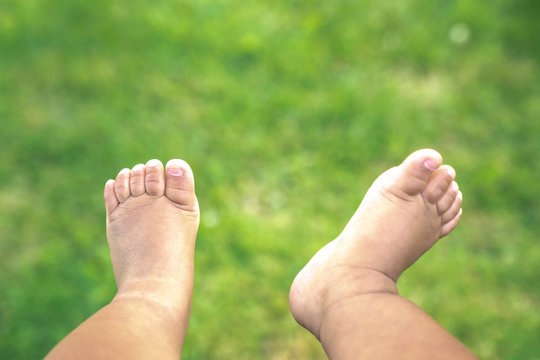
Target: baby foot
pixel 406 210
pixel 152 222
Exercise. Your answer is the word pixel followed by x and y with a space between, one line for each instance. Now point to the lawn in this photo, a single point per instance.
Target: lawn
pixel 286 111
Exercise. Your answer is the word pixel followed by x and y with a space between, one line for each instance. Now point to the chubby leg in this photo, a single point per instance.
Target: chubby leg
pixel 347 294
pixel 152 222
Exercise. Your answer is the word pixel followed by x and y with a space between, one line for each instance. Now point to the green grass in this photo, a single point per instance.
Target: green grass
pixel 286 111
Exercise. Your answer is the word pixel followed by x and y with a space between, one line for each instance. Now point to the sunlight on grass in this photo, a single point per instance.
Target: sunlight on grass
pixel 286 111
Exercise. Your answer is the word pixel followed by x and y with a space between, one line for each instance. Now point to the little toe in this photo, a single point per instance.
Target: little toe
pixel 111 202
pixel 417 169
pixel 439 183
pixel 121 185
pixel 155 181
pixel 179 184
pixel 136 181
pixel 448 198
pixel 453 210
pixel 451 225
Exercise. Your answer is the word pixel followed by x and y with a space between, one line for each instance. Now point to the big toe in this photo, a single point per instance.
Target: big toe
pixel 416 170
pixel 180 185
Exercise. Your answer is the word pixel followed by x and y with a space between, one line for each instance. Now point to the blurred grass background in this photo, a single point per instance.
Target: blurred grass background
pixel 286 110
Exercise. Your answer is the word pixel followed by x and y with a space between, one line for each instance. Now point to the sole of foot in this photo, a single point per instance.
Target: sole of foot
pixel 152 222
pixel 404 213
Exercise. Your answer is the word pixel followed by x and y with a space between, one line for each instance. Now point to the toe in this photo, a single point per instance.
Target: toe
pixel 136 181
pixel 448 198
pixel 451 225
pixel 453 210
pixel 121 185
pixel 439 183
pixel 179 185
pixel 111 202
pixel 155 181
pixel 417 169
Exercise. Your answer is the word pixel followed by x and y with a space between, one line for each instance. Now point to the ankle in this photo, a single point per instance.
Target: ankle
pixel 356 281
pixel 371 257
pixel 155 307
pixel 145 313
pixel 169 295
pixel 345 285
pixel 351 319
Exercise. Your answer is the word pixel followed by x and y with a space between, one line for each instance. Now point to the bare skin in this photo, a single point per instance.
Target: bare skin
pixel 152 222
pixel 347 295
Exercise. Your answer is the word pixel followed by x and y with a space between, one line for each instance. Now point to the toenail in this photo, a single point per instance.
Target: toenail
pixel 124 171
pixel 451 172
pixel 431 164
pixel 175 171
pixel 152 163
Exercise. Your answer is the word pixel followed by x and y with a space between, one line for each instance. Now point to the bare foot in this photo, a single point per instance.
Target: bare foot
pixel 152 222
pixel 406 210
